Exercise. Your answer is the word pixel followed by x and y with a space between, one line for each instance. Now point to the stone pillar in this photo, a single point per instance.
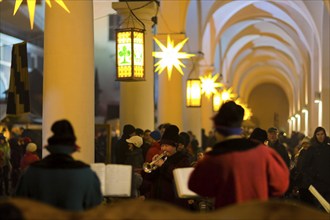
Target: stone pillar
pixel 68 89
pixel 137 98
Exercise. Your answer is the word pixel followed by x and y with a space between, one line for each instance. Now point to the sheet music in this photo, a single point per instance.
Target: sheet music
pixel 99 169
pixel 181 178
pixel 320 198
pixel 116 179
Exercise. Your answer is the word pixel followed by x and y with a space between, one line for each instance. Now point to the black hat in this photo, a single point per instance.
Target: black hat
pixel 259 135
pixel 63 140
pixel 184 138
pixel 128 129
pixel 63 134
pixel 139 132
pixel 272 129
pixel 171 136
pixel 230 115
pixel 229 119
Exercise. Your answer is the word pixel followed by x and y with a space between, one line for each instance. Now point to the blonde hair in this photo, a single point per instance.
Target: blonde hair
pixel 31 147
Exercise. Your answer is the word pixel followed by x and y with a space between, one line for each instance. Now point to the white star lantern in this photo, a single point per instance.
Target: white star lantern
pixel 32 5
pixel 170 56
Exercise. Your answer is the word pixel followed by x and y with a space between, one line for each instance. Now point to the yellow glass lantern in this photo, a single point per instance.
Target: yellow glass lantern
pixel 130 54
pixel 216 101
pixel 193 96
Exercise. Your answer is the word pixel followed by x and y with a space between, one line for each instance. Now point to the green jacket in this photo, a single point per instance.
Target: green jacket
pixel 61 181
pixel 4 154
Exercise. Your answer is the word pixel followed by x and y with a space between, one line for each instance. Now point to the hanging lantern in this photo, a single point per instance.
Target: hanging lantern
pixel 193 97
pixel 130 54
pixel 216 101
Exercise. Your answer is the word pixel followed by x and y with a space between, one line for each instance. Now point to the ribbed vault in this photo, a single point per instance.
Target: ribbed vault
pixel 257 42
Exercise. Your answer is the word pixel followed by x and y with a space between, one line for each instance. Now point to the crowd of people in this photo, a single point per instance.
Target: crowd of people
pixel 229 167
pixel 16 153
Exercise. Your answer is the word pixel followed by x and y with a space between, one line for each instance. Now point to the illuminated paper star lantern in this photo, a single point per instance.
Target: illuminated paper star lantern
pixel 227 94
pixel 32 5
pixel 247 111
pixel 209 84
pixel 170 56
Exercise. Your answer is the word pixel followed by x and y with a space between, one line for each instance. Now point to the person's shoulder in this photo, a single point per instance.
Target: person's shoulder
pixel 232 145
pixel 59 161
pixel 81 164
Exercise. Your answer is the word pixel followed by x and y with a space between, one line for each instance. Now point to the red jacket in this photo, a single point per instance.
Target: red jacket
pixel 239 170
pixel 152 151
pixel 27 159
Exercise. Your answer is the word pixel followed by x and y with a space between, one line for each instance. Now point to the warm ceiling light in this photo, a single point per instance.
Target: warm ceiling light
pixel 317 97
pixel 32 5
pixel 304 110
pixel 209 84
pixel 170 56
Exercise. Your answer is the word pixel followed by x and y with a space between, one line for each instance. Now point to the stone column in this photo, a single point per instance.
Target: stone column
pixel 137 98
pixel 68 89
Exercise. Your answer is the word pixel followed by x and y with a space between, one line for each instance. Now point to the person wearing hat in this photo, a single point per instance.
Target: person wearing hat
pixel 30 156
pixel 134 157
pixel 258 135
pixel 162 180
pixel 185 147
pixel 59 179
pixel 237 169
pixel 273 142
pixel 134 154
pixel 154 147
pixel 121 147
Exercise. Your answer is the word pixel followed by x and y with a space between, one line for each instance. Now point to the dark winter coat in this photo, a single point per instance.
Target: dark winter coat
pixel 61 181
pixel 316 166
pixel 163 187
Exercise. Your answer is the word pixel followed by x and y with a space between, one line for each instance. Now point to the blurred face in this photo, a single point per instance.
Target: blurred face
pixel 130 146
pixel 272 136
pixel 146 135
pixel 169 149
pixel 180 147
pixel 200 156
pixel 320 136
